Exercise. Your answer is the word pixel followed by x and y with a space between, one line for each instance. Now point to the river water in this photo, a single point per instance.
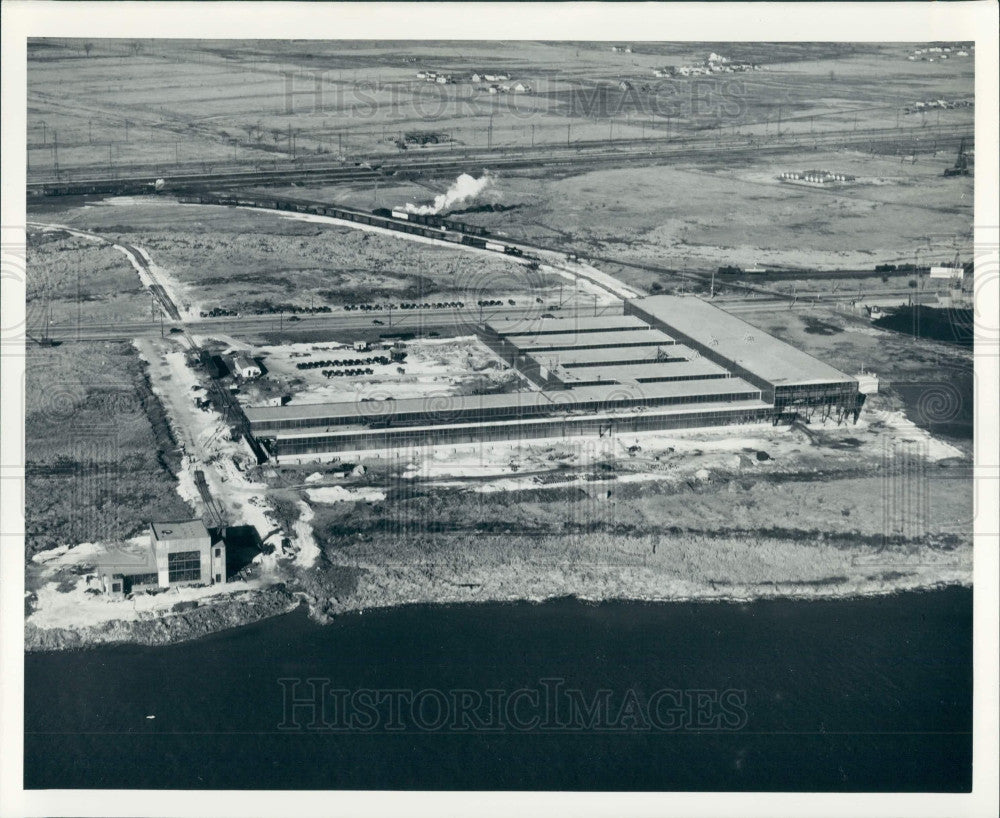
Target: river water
pixel 868 694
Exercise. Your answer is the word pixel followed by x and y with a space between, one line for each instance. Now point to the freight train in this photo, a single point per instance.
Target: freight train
pixel 431 226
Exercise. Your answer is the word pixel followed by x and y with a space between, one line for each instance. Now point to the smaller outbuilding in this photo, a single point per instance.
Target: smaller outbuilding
pixel 245 367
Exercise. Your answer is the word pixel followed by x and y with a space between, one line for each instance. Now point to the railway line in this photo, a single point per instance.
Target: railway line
pixel 574 155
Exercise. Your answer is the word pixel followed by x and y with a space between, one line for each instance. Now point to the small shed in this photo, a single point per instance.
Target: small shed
pixel 245 367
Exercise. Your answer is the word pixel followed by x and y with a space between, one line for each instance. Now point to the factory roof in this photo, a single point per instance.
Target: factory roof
pixel 582 340
pixel 614 356
pixel 735 340
pixel 182 530
pixel 642 373
pixel 441 407
pixel 579 323
pixel 606 356
pixel 678 409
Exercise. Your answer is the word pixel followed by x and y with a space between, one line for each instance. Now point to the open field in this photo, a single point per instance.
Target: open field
pixel 105 104
pixel 932 381
pixel 246 260
pixel 713 213
pixel 702 217
pixel 693 514
pixel 75 279
pixel 100 456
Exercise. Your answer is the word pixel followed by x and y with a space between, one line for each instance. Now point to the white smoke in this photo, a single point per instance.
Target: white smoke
pixel 463 189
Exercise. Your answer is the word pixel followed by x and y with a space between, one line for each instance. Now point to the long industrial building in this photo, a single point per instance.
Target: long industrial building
pixel 668 362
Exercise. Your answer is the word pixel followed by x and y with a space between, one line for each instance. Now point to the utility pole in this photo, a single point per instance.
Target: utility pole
pixel 532 135
pixel 568 126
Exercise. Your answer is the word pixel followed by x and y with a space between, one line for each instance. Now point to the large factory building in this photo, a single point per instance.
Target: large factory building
pixel 669 362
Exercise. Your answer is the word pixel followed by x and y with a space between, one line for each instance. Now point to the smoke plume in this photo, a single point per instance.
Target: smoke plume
pixel 464 189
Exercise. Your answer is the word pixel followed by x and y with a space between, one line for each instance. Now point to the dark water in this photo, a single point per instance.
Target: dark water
pixel 951 325
pixel 860 695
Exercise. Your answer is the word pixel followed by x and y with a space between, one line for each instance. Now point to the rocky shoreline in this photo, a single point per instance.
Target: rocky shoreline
pixel 203 620
pixel 254 606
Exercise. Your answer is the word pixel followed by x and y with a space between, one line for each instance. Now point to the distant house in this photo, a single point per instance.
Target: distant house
pixel 477 77
pixel 494 89
pixel 245 367
pixel 441 79
pixel 625 85
pixel 496 77
pixel 178 553
pixel 521 88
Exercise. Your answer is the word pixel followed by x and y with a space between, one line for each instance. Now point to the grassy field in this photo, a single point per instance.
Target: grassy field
pixel 700 216
pixel 249 260
pixel 112 104
pixel 739 528
pixel 100 457
pixel 932 381
pixel 75 279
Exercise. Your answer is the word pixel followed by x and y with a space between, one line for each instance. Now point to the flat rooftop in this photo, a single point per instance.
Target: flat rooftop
pixel 181 530
pixel 579 323
pixel 641 373
pixel 614 356
pixel 582 340
pixel 734 339
pixel 747 404
pixel 606 356
pixel 578 398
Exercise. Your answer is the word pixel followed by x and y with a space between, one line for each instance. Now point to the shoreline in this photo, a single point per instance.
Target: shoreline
pixel 256 606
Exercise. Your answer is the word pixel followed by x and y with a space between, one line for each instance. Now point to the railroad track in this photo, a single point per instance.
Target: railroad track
pixel 546 157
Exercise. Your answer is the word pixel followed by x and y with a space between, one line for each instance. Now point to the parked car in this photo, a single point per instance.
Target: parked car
pixel 377 322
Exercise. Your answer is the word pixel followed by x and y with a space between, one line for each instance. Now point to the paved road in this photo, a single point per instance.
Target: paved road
pixel 444 321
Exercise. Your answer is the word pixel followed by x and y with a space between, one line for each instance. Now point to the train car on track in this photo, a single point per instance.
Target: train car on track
pixel 428 225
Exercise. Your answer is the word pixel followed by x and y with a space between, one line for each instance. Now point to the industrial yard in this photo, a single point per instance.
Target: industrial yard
pixel 623 352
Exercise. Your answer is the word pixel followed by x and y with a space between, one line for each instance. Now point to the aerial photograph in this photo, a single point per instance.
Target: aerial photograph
pixel 499 415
